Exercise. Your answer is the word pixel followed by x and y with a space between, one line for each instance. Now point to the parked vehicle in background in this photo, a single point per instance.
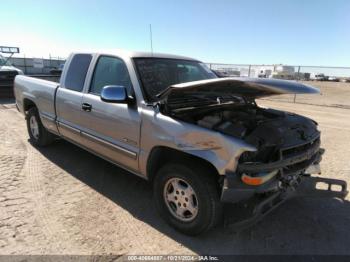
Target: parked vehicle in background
pixel 344 80
pixel 58 70
pixel 283 72
pixel 333 79
pixel 226 72
pixel 220 73
pixel 6 66
pixel 318 77
pixel 7 76
pixel 199 139
pixel 265 73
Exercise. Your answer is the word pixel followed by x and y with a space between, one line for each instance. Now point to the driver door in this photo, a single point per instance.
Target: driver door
pixel 111 130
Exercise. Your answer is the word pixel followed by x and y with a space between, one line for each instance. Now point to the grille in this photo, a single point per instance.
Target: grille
pixel 311 146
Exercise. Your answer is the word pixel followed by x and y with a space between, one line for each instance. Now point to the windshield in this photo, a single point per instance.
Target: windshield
pixel 156 74
pixel 3 61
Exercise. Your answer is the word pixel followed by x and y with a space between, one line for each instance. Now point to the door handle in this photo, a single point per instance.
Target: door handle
pixel 86 107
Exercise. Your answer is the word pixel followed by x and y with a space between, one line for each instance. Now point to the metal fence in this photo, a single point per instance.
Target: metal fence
pixel 36 66
pixel 289 72
pixel 292 72
pixel 334 82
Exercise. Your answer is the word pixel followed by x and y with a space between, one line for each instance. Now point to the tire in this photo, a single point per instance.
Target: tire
pixel 206 193
pixel 38 134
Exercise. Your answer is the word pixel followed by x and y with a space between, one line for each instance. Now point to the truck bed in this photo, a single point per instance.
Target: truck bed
pixel 42 92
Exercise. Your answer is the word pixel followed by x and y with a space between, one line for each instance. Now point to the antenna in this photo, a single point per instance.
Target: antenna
pixel 150 35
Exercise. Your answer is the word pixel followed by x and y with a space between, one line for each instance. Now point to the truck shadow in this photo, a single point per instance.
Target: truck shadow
pixel 299 226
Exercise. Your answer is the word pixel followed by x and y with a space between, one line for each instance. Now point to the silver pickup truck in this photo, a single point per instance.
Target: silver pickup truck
pixel 200 140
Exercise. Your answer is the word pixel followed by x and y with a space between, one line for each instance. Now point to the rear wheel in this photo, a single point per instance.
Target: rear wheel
pixel 38 134
pixel 187 198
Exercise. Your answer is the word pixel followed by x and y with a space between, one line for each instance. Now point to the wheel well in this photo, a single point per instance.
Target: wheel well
pixel 161 155
pixel 28 104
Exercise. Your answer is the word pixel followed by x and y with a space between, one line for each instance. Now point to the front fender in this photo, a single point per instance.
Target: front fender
pixel 220 150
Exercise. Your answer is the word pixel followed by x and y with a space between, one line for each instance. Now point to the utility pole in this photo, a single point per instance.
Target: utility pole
pixel 150 35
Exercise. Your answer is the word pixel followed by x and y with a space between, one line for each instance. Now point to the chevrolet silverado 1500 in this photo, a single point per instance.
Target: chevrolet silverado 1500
pixel 201 140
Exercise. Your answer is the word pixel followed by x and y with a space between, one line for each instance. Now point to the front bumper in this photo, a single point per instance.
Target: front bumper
pixel 234 190
pixel 260 207
pixel 294 167
pixel 294 162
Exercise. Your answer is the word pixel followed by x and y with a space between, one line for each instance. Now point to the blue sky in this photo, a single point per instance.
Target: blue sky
pixel 308 32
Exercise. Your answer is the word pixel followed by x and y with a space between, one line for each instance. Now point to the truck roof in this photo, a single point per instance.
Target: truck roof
pixel 133 54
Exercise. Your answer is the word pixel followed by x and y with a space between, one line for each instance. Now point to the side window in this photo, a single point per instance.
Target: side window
pixel 77 72
pixel 110 71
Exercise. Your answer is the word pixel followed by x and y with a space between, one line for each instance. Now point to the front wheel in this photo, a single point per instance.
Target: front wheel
pixel 38 134
pixel 187 198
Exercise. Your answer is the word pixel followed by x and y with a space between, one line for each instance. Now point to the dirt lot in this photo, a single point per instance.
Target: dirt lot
pixel 63 200
pixel 334 94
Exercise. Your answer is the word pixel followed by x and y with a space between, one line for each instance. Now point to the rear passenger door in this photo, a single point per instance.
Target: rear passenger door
pixel 69 97
pixel 111 129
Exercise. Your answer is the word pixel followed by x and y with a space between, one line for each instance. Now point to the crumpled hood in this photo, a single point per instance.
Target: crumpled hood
pixel 242 86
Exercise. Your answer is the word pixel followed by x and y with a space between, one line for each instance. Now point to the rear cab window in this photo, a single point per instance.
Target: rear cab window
pixel 77 71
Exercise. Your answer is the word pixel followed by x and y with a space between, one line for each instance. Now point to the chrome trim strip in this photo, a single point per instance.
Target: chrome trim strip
pixel 50 118
pixel 60 124
pixel 114 146
pixel 106 158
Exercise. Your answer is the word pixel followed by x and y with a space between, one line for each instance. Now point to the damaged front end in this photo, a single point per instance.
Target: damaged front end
pixel 282 172
pixel 287 145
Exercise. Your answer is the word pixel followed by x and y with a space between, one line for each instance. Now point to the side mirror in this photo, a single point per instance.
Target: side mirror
pixel 115 94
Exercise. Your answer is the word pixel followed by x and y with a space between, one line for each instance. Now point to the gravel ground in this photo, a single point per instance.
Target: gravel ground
pixel 333 94
pixel 63 200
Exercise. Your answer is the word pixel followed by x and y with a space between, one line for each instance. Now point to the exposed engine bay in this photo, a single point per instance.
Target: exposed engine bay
pixel 266 129
pixel 278 136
